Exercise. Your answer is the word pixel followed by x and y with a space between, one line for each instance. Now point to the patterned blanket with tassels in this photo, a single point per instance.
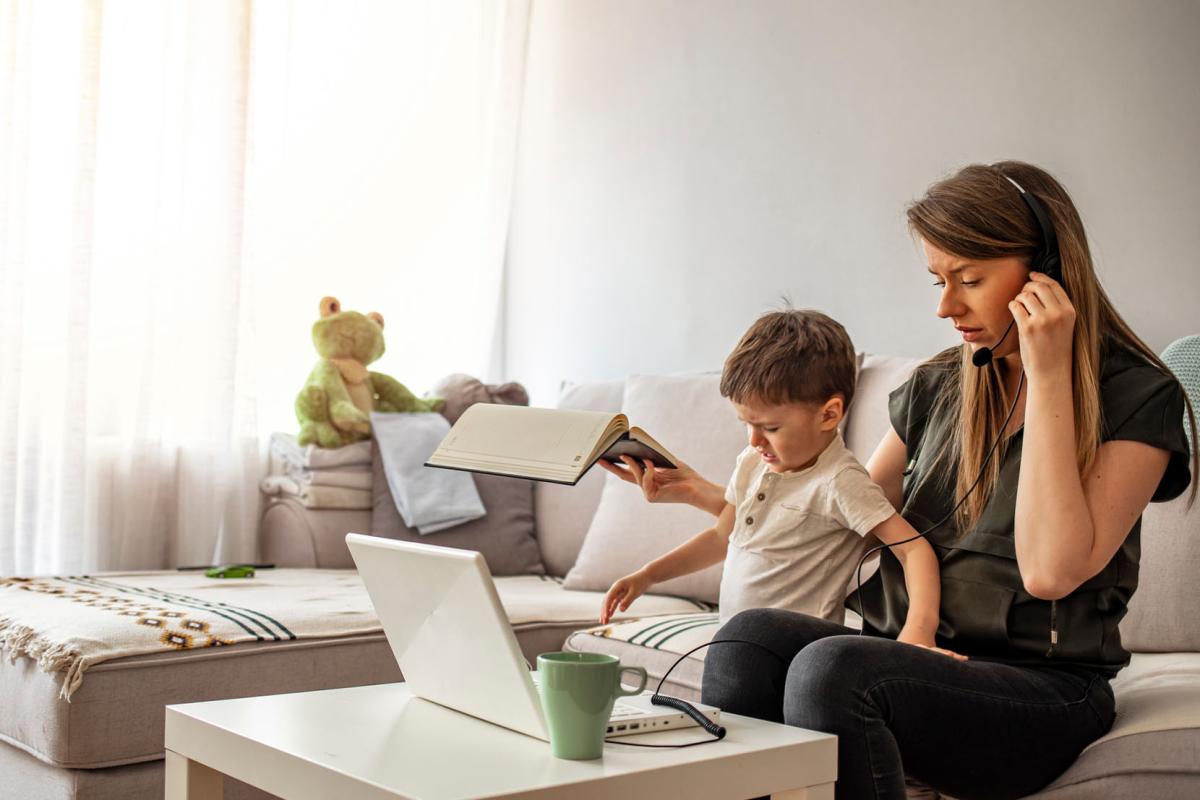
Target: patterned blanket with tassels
pixel 70 623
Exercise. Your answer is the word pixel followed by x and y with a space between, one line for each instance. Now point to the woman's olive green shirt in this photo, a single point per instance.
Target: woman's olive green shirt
pixel 985 611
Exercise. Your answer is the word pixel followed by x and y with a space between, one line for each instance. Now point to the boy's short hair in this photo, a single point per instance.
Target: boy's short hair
pixel 792 356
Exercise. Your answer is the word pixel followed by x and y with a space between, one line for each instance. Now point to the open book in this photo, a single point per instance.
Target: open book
pixel 542 444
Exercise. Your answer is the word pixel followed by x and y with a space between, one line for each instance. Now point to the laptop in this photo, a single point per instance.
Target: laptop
pixel 453 642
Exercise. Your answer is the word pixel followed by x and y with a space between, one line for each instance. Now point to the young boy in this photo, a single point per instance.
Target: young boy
pixel 799 506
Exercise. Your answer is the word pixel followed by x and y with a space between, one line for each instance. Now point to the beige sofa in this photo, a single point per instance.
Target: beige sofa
pixel 1153 750
pixel 107 743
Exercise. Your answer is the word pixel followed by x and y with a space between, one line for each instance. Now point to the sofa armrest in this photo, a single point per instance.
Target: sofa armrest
pixel 292 535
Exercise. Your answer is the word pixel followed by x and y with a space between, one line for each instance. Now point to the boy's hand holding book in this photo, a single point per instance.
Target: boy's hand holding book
pixel 680 485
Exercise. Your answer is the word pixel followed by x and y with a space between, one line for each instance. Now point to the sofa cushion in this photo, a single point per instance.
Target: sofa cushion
pixel 531 599
pixel 1159 765
pixel 1162 611
pixel 655 642
pixel 565 512
pixel 116 715
pixel 505 535
pixel 291 535
pixel 1156 692
pixel 688 415
pixel 1152 748
pixel 27 777
pixel 868 419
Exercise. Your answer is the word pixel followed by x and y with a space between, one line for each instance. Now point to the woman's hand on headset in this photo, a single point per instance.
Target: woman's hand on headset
pixel 1046 322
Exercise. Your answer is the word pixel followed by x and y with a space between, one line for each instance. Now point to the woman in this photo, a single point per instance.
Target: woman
pixel 1039 559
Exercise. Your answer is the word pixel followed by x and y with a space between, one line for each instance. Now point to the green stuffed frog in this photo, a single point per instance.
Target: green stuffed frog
pixel 335 404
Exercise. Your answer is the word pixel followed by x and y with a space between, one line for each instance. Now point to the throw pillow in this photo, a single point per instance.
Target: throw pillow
pixel 505 536
pixel 867 420
pixel 459 392
pixel 564 513
pixel 688 415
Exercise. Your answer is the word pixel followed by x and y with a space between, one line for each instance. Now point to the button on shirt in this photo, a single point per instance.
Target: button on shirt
pixel 798 535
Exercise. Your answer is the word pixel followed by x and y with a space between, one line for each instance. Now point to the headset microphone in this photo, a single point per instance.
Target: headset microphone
pixel 983 356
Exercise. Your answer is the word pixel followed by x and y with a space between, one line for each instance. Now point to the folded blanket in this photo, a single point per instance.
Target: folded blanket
pixel 285 448
pixel 345 477
pixel 70 623
pixel 316 496
pixel 428 500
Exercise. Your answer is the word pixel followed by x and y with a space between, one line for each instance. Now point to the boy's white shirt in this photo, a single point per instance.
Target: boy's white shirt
pixel 797 546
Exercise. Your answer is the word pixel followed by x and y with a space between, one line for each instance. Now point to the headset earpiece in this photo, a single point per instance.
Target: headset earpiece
pixel 1047 264
pixel 1046 260
pixel 1052 268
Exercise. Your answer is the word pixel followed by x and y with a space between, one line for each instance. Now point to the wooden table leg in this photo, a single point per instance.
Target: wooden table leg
pixel 191 780
pixel 822 792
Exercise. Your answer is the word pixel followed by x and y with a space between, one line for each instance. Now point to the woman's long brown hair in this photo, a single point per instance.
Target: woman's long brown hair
pixel 978 214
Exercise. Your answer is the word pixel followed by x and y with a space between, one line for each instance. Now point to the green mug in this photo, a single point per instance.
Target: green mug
pixel 578 691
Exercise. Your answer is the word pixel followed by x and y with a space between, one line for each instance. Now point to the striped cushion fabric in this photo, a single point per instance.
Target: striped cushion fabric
pixel 655 643
pixel 674 633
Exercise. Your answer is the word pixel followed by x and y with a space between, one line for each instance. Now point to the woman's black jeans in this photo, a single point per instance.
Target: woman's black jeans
pixel 973 729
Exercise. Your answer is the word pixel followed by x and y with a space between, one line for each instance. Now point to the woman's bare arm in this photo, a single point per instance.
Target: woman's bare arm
pixel 1068 527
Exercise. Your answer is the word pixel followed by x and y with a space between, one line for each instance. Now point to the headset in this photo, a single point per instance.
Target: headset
pixel 1046 259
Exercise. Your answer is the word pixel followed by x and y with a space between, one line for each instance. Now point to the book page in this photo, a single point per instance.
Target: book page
pixel 538 442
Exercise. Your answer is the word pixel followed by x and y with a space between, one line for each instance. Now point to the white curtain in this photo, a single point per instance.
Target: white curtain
pixel 180 183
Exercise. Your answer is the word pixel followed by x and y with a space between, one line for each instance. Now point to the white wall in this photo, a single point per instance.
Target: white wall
pixel 683 164
pixel 363 182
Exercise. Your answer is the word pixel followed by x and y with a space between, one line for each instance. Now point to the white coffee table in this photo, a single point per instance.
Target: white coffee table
pixel 381 742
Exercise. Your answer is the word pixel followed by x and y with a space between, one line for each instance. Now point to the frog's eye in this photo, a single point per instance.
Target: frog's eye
pixel 330 305
pixel 375 315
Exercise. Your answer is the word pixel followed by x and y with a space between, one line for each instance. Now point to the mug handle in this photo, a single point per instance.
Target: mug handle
pixel 621 691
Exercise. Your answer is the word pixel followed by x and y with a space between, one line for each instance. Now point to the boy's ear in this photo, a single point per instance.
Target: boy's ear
pixel 832 412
